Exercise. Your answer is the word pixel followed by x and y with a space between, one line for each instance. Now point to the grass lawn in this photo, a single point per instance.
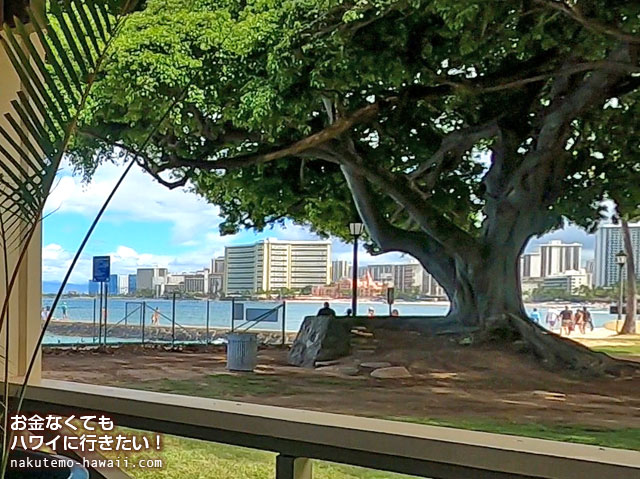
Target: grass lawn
pixel 185 458
pixel 621 438
pixel 623 345
pixel 192 459
pixel 620 350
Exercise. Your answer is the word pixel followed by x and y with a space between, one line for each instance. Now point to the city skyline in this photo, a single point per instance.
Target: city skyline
pixel 148 225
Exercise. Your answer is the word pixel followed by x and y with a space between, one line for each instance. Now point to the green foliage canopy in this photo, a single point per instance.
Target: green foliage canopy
pixel 255 77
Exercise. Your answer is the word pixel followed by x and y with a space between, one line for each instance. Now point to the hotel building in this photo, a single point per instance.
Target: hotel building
pixel 406 277
pixel 272 264
pixel 339 270
pixel 609 243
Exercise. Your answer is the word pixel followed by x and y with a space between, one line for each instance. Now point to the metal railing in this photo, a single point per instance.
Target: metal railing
pixel 300 436
pixel 263 317
pixel 135 324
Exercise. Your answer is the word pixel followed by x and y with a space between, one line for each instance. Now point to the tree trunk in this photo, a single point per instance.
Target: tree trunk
pixel 486 288
pixel 629 326
pixel 482 280
pixel 487 295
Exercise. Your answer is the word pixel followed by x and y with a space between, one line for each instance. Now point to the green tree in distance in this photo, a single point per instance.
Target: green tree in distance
pixel 456 130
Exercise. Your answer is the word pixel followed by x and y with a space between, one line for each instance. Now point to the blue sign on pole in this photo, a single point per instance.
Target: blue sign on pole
pixel 101 268
pixel 238 311
pixel 262 315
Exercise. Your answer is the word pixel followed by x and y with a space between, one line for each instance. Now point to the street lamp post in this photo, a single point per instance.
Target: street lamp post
pixel 356 230
pixel 621 259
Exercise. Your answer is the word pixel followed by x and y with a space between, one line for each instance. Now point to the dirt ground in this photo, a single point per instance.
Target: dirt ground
pixel 449 380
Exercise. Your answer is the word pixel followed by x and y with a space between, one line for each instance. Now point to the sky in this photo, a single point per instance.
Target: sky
pixel 147 224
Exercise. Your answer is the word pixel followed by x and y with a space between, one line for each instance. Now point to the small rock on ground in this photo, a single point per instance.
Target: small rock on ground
pixel 320 364
pixel 554 396
pixel 375 365
pixel 395 372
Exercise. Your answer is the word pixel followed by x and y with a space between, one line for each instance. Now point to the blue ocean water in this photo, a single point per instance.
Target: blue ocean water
pixel 194 312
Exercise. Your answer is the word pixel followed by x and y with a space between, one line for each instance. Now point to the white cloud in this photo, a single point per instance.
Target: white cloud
pixel 193 223
pixel 124 260
pixel 140 198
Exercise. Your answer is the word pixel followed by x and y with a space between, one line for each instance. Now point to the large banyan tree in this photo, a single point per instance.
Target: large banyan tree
pixel 456 129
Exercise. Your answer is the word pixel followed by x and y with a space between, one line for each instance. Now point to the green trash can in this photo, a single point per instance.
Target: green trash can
pixel 242 351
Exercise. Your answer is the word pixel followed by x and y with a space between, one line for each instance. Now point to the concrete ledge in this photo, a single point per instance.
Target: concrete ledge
pixel 427 451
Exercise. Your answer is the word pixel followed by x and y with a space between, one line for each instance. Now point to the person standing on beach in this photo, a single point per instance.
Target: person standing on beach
pixel 64 311
pixel 579 321
pixel 535 316
pixel 588 319
pixel 155 317
pixel 551 319
pixel 566 321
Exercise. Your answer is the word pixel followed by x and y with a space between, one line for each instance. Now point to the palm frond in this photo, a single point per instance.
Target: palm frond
pixel 75 38
pixel 57 58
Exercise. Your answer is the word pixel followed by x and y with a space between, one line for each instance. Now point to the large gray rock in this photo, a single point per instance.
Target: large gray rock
pixel 320 338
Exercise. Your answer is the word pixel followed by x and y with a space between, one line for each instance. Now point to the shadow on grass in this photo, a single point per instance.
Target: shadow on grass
pixel 225 386
pixel 222 386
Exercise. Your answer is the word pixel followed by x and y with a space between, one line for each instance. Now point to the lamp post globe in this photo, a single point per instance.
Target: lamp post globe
pixel 356 229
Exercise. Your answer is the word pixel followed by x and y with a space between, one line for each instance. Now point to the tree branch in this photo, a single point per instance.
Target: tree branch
pixel 542 171
pixel 391 238
pixel 574 13
pixel 403 192
pixel 457 143
pixel 149 168
pixel 315 140
pixel 146 163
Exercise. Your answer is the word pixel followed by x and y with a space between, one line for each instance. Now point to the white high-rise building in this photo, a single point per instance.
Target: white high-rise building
pixel 531 265
pixel 430 287
pixel 557 257
pixel 217 265
pixel 402 276
pixel 272 264
pixel 339 270
pixel 123 284
pixel 197 282
pixel 609 243
pixel 406 277
pixel 152 279
pixel 570 281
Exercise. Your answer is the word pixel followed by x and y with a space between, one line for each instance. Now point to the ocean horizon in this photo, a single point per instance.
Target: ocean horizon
pixel 193 312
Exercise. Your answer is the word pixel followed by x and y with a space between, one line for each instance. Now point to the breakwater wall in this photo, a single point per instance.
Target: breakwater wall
pixel 130 332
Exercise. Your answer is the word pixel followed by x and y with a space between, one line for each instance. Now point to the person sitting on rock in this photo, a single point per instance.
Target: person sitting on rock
pixel 326 311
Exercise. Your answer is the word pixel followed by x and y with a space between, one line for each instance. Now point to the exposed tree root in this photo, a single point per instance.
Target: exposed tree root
pixel 555 352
